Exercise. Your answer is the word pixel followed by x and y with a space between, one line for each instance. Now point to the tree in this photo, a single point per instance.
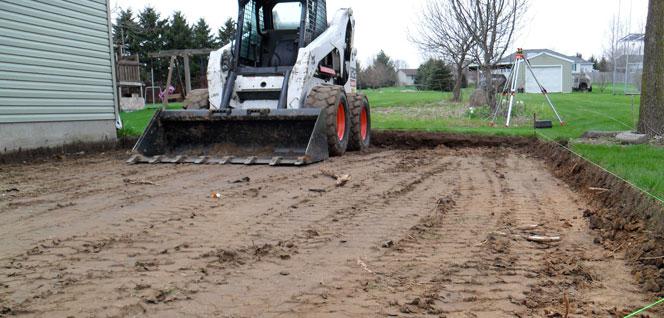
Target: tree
pixel 441 34
pixel 603 65
pixel 152 39
pixel 434 75
pixel 492 24
pixel 226 32
pixel 203 38
pixel 651 117
pixel 178 34
pixel 616 30
pixel 383 59
pixel 125 33
pixel 381 73
pixel 593 60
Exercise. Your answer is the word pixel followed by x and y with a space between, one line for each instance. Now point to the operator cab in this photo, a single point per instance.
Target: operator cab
pixel 270 31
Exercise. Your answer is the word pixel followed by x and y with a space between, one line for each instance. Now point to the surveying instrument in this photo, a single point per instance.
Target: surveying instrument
pixel 511 87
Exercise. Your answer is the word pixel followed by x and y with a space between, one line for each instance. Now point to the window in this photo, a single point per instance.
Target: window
pixel 287 15
pixel 250 36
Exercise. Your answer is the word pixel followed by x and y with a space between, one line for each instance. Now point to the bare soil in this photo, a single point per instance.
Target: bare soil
pixel 422 229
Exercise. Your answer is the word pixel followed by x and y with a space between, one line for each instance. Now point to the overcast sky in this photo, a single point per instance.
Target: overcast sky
pixel 566 26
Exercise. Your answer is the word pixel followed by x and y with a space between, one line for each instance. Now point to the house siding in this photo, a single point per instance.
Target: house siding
pixel 56 65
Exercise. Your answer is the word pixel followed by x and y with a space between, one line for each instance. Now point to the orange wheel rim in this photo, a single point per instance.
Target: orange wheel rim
pixel 364 124
pixel 341 121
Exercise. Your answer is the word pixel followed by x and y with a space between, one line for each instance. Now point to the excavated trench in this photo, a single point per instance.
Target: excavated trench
pixel 428 225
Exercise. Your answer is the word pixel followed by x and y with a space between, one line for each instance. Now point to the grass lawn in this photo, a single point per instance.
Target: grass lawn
pixel 407 109
pixel 136 122
pixel 393 109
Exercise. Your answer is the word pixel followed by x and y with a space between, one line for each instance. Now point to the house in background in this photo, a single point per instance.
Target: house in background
pixel 553 70
pixel 580 65
pixel 406 77
pixel 57 74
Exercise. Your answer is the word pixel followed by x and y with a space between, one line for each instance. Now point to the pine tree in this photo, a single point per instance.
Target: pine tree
pixel 383 59
pixel 179 35
pixel 603 65
pixel 152 39
pixel 594 61
pixel 226 32
pixel 125 32
pixel 203 38
pixel 434 75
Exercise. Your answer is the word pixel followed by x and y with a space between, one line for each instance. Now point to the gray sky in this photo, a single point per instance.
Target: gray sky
pixel 566 26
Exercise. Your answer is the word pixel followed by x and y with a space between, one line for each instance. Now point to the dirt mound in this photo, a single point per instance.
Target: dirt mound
pixel 417 140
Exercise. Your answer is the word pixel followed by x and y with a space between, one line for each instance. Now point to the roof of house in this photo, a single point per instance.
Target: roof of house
pixel 409 71
pixel 535 52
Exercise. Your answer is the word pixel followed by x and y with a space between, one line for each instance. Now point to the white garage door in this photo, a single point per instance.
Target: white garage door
pixel 551 77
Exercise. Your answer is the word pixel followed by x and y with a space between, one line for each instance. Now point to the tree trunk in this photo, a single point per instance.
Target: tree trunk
pixel 651 117
pixel 488 87
pixel 456 92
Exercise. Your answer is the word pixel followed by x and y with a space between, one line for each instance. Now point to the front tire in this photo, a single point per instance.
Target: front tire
pixel 332 100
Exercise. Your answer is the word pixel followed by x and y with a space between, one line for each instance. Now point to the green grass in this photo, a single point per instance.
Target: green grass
pixel 403 97
pixel 640 164
pixel 134 123
pixel 580 111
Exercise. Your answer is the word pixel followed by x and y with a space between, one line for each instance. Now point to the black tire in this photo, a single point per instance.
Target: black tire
pixel 330 98
pixel 583 87
pixel 358 140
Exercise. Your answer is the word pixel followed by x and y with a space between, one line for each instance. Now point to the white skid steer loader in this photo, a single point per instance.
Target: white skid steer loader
pixel 282 93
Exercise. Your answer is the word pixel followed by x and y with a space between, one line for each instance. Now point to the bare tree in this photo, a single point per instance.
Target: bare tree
pixel 651 118
pixel 441 34
pixel 492 24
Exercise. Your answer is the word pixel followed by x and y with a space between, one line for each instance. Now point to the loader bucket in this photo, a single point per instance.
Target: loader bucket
pixel 266 136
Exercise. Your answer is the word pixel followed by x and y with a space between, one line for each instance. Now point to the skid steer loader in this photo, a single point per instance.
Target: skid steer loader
pixel 282 93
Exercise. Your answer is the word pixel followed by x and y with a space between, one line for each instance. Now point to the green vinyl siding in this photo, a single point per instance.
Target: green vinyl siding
pixel 55 61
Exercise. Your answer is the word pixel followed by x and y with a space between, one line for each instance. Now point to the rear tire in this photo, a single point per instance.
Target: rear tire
pixel 360 136
pixel 332 100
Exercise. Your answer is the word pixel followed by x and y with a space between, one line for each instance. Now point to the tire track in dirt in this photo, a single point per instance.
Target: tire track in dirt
pixel 325 257
pixel 473 264
pixel 100 247
pixel 448 219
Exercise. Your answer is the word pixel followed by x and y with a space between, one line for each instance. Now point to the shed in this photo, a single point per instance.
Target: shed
pixel 57 74
pixel 553 70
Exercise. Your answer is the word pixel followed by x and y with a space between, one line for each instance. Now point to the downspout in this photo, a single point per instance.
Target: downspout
pixel 116 104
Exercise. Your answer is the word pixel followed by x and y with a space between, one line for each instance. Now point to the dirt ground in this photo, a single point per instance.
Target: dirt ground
pixel 416 233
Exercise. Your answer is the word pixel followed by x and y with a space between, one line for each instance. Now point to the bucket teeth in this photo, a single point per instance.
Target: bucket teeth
pixel 276 161
pixel 154 159
pixel 135 159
